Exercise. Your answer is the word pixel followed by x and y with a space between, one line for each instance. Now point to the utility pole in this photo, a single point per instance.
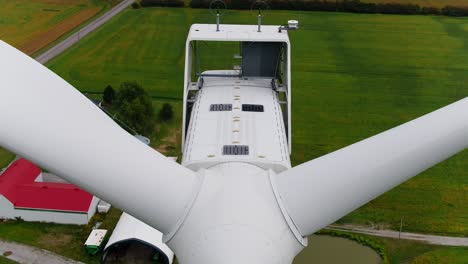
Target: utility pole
pixel 401 227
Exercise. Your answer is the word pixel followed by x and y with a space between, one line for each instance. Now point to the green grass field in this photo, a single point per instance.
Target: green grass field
pixel 353 76
pixel 5 158
pixel 4 260
pixel 65 240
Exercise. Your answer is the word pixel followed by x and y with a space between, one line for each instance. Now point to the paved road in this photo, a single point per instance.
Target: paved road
pixel 68 42
pixel 431 239
pixel 31 255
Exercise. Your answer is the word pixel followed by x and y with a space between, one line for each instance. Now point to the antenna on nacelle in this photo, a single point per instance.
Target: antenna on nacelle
pixel 292 25
pixel 259 21
pixel 217 5
pixel 259 5
pixel 217 20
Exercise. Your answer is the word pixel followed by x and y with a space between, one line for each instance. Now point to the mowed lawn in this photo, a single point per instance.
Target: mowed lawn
pixel 353 76
pixel 32 25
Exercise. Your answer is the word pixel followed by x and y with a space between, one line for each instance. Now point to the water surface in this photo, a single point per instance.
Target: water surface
pixel 336 250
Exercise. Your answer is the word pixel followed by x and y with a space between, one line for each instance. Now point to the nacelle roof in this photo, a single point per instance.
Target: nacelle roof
pixel 237 33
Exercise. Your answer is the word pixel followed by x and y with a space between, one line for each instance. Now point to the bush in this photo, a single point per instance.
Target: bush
pixel 455 11
pixel 134 107
pixel 166 112
pixel 168 3
pixel 136 5
pixel 109 95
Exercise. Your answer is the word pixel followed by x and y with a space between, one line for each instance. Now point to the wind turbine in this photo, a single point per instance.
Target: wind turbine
pixel 235 198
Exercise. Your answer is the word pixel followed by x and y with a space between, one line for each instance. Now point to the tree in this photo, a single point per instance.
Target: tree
pixel 133 107
pixel 109 95
pixel 166 112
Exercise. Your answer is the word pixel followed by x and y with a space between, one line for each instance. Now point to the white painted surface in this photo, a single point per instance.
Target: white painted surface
pixel 235 219
pixel 84 146
pixel 237 33
pixel 7 211
pixel 262 132
pixel 96 237
pixel 93 207
pixel 321 191
pixel 103 207
pixel 242 213
pixel 52 216
pixel 129 227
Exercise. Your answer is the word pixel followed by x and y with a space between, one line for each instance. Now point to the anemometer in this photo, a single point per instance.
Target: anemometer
pixel 218 8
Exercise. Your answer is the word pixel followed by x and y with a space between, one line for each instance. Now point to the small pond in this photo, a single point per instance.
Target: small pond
pixel 335 250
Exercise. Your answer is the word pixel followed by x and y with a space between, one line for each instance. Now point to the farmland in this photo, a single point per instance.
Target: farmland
pixel 32 25
pixel 353 76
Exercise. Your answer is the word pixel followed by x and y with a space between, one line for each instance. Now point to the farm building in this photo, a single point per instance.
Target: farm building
pixel 24 193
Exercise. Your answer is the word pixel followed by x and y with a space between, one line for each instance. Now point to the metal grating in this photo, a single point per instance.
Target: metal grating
pixel 221 107
pixel 252 108
pixel 235 150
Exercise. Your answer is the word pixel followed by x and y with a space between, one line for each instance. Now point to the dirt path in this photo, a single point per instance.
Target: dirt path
pixel 431 239
pixel 31 255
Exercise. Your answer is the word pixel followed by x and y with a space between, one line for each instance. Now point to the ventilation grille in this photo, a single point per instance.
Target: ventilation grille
pixel 235 150
pixel 252 108
pixel 221 107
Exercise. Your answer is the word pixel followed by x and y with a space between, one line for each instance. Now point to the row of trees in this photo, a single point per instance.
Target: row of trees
pixel 148 3
pixel 132 106
pixel 353 6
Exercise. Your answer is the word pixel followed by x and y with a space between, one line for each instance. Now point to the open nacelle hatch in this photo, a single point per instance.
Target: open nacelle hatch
pixel 237 52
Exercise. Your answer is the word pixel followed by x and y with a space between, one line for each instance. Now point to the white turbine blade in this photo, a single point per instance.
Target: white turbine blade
pixel 323 190
pixel 44 119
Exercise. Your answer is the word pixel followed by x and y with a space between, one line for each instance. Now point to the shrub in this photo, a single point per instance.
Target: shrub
pixel 136 5
pixel 455 11
pixel 109 95
pixel 353 6
pixel 166 112
pixel 134 107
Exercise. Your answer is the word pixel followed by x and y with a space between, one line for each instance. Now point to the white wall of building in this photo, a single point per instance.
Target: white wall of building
pixel 7 211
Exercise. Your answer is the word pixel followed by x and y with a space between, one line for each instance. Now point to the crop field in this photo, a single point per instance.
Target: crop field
pixel 424 3
pixel 32 25
pixel 353 76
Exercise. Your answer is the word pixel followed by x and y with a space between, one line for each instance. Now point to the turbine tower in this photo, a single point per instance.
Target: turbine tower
pixel 235 198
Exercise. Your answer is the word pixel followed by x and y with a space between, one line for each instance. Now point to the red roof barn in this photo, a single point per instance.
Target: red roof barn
pixel 24 194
